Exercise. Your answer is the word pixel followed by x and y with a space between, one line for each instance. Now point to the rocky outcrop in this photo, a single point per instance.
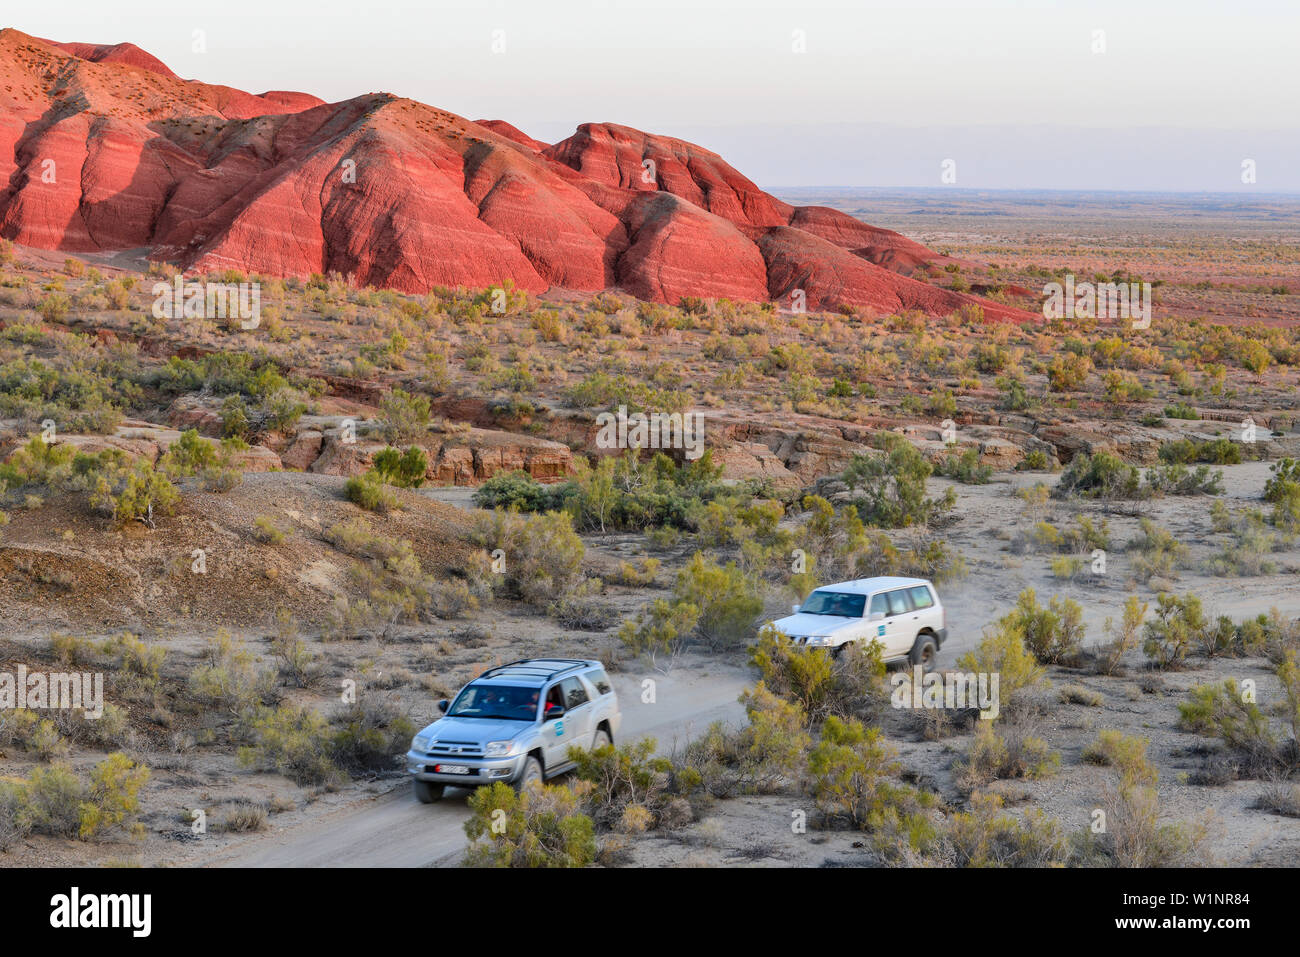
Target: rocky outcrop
pixel 103 148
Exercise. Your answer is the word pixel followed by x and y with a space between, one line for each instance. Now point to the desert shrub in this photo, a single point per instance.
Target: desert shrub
pixel 1249 550
pixel 619 493
pixel 369 492
pixel 244 818
pixel 1210 451
pixel 851 769
pixel 965 467
pixel 53 800
pixel 266 531
pixel 840 546
pixel 228 676
pixel 638 576
pixel 133 493
pixel 405 416
pixel 1226 712
pixel 983 837
pixel 368 736
pixel 1279 798
pixel 1053 634
pixel 1160 554
pixel 847 685
pixel 1067 372
pixel 1107 657
pixel 1035 460
pixel 188 455
pixel 729 601
pixel 1004 750
pixel 1002 651
pixel 292 741
pixel 1284 478
pixel 133 656
pixel 1178 625
pixel 403 469
pixel 660 628
pixel 1101 475
pixel 1180 480
pixel 583 610
pixel 764 757
pixel 539 827
pixel 628 776
pixel 890 488
pixel 543 554
pixel 516 491
pixel 1282 490
pixel 1133 836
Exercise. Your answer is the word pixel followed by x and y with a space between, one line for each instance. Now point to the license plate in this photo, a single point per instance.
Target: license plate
pixel 451 769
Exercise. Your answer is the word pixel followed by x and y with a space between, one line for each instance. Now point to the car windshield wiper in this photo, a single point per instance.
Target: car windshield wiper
pixel 498 717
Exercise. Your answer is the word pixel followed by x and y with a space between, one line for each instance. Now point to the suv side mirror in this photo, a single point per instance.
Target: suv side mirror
pixel 555 711
pixel 794 609
pixel 443 705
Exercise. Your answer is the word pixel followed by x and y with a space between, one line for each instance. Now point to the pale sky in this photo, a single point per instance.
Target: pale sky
pixel 1171 94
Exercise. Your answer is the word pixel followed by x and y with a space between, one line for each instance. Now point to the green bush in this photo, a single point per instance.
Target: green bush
pixel 403 469
pixel 728 600
pixel 891 487
pixel 53 800
pixel 1053 634
pixel 846 685
pixel 369 492
pixel 542 554
pixel 1179 624
pixel 292 741
pixel 540 827
pixel 1101 475
pixel 965 467
pixel 1002 651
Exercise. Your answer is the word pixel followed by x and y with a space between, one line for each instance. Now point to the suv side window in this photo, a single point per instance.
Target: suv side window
pixel 921 597
pixel 600 681
pixel 898 604
pixel 575 695
pixel 879 604
pixel 554 699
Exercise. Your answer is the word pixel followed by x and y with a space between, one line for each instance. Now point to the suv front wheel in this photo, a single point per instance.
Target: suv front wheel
pixel 924 652
pixel 532 772
pixel 426 792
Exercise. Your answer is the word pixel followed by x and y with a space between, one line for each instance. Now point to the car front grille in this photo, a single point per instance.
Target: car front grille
pixel 455 749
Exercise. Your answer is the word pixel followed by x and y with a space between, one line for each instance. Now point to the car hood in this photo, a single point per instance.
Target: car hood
pixel 477 730
pixel 800 626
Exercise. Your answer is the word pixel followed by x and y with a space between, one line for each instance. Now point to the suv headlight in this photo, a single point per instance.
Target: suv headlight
pixel 421 742
pixel 499 749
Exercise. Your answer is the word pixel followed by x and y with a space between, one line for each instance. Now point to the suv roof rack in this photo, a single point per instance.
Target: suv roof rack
pixel 539 667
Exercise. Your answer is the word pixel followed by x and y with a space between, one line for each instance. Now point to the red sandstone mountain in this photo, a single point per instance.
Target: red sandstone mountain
pixel 104 148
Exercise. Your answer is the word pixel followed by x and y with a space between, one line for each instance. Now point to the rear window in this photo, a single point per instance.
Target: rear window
pixel 600 681
pixel 898 603
pixel 921 597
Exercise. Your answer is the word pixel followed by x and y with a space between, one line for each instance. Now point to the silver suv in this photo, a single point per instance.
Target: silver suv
pixel 516 724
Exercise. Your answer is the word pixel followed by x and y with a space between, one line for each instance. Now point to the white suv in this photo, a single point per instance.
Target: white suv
pixel 903 614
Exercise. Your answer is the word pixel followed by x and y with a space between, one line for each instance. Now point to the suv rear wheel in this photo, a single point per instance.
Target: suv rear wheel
pixel 924 652
pixel 426 792
pixel 532 772
pixel 601 739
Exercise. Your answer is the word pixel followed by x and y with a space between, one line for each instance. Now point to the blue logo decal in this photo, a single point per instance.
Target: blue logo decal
pixel 880 630
pixel 559 727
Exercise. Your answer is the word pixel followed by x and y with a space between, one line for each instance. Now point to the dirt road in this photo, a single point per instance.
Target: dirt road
pixel 394 830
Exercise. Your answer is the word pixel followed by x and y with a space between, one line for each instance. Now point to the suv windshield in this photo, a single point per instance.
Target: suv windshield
pixel 495 701
pixel 833 603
